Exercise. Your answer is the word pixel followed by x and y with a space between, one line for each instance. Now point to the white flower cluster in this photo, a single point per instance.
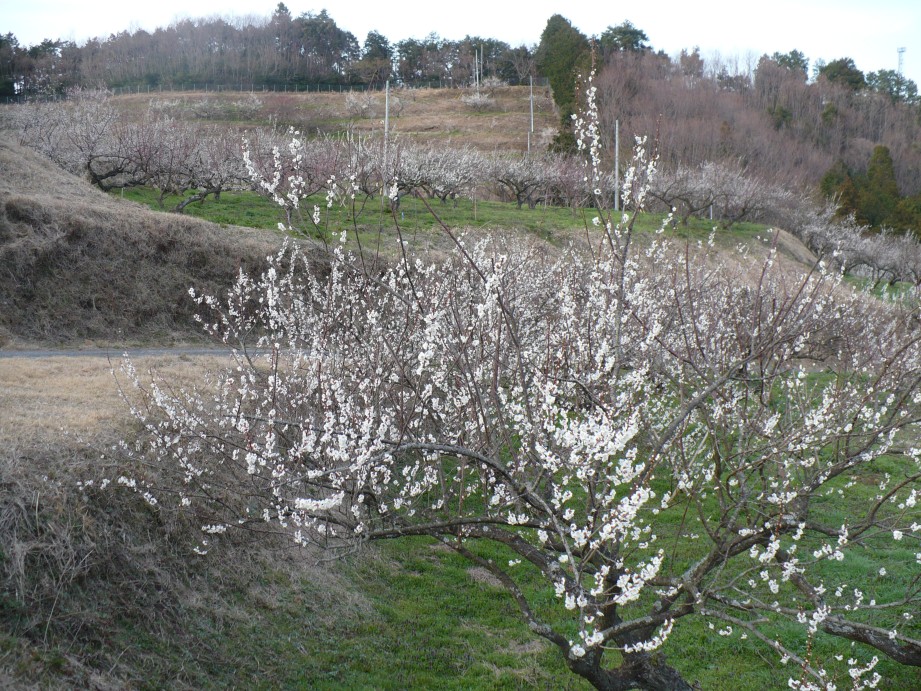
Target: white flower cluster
pixel 592 411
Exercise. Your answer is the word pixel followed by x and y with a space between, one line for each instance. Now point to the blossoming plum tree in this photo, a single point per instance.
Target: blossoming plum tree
pixel 656 432
pixel 88 136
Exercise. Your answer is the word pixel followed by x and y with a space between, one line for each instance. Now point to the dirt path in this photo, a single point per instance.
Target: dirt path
pixel 112 353
pixel 74 395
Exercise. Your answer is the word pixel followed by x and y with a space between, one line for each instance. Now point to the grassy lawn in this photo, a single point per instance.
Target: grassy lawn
pixel 415 215
pixel 432 621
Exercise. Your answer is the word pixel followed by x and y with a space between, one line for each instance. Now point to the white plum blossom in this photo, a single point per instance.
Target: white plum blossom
pixel 656 430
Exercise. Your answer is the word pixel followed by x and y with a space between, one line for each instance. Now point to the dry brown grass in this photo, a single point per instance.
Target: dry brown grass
pixel 428 115
pixel 85 570
pixel 80 265
pixel 440 115
pixel 61 400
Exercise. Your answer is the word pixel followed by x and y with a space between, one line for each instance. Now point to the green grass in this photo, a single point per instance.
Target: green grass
pixel 233 208
pixel 714 659
pixel 435 626
pixel 900 292
pixel 423 618
pixel 423 622
pixel 415 215
pixel 426 621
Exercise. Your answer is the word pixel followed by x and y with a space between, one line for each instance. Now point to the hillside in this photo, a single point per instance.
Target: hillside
pixel 100 587
pixel 500 120
pixel 82 266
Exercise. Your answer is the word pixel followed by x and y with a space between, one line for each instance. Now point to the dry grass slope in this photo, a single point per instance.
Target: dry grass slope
pixel 97 588
pixel 87 575
pixel 79 265
pixel 424 115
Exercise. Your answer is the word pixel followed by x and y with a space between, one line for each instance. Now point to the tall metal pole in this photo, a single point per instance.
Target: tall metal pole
pixel 531 131
pixel 617 165
pixel 385 181
pixel 476 70
pixel 386 117
pixel 532 103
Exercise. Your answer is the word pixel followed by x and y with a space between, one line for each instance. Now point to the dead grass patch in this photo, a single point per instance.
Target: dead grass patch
pixel 88 574
pixel 481 575
pixel 76 400
pixel 427 115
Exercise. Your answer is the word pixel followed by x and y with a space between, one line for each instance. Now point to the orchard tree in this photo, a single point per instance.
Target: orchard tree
pixel 523 179
pixel 741 196
pixel 449 173
pixel 885 256
pixel 566 184
pixel 84 135
pixel 87 136
pixel 216 166
pixel 655 433
pixel 725 190
pixel 681 190
pixel 290 172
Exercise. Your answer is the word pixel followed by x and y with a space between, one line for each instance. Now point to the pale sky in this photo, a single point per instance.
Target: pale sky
pixel 869 31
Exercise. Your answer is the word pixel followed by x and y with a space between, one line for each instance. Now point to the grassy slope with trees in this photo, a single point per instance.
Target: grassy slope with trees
pixel 79 265
pixel 835 110
pixel 86 602
pixel 97 602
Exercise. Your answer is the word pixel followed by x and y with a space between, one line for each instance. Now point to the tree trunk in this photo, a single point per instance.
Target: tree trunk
pixel 645 671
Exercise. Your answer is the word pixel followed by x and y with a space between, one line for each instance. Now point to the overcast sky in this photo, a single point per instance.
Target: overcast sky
pixel 869 31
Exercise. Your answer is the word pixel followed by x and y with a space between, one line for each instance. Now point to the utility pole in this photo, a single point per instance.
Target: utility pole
pixel 478 67
pixel 617 165
pixel 531 131
pixel 386 118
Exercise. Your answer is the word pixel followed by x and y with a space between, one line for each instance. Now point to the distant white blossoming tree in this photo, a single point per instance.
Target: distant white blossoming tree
pixel 656 432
